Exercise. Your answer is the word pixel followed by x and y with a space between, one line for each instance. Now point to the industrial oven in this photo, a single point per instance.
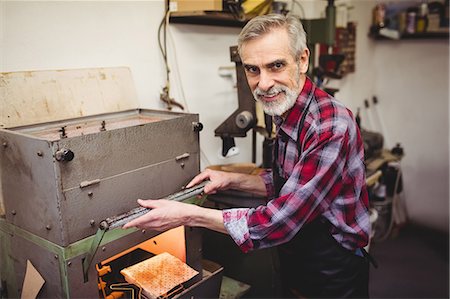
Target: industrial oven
pixel 61 178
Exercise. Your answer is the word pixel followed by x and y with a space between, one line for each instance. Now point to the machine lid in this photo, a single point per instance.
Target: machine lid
pixel 30 97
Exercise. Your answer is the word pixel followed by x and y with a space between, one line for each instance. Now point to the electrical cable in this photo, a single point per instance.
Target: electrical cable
pixel 180 85
pixel 165 95
pixel 163 48
pixel 177 70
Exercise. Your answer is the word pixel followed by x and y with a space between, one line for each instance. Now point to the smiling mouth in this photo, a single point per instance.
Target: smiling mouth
pixel 270 97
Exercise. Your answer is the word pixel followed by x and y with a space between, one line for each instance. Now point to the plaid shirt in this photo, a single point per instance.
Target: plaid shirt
pixel 325 177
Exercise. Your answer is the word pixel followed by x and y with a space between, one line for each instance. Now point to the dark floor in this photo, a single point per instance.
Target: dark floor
pixel 414 263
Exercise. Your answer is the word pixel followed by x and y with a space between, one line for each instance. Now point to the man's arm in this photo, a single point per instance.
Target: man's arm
pixel 167 214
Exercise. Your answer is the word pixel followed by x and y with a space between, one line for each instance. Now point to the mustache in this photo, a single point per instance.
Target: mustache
pixel 271 92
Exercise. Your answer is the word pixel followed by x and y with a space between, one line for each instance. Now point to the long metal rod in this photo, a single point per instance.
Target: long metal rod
pixel 122 219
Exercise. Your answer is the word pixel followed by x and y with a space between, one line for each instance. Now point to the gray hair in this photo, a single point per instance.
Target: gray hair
pixel 261 25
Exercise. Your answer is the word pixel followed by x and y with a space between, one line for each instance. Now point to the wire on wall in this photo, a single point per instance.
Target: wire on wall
pixel 163 34
pixel 165 94
pixel 177 71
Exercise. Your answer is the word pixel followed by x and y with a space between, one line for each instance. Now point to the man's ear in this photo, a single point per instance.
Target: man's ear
pixel 304 61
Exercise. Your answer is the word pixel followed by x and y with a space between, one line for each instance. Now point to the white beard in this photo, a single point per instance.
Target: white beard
pixel 281 105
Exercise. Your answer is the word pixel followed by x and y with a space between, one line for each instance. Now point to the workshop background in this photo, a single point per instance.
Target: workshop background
pixel 409 78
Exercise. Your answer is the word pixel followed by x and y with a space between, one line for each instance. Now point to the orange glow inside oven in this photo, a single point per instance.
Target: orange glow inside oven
pixel 171 241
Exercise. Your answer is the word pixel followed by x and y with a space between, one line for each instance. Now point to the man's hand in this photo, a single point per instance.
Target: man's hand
pixel 220 180
pixel 164 215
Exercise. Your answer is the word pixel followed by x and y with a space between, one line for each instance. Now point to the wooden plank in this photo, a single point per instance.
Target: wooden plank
pixel 32 97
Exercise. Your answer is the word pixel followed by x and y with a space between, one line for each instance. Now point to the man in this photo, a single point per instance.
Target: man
pixel 318 208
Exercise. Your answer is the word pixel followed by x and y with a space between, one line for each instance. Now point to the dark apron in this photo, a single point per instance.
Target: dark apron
pixel 313 264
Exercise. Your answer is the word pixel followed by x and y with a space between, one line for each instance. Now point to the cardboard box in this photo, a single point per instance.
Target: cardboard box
pixel 195 5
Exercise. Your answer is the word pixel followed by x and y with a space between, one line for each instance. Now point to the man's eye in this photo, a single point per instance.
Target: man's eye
pixel 277 65
pixel 251 69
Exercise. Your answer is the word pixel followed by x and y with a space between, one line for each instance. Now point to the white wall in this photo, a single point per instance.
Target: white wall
pixel 410 78
pixel 415 108
pixel 77 34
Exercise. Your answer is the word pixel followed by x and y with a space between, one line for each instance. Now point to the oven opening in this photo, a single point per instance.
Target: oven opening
pixel 112 283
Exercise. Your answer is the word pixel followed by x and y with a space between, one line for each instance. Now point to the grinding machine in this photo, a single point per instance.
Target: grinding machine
pixel 64 181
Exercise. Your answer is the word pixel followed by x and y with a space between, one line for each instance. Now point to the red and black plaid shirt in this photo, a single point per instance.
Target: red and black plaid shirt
pixel 325 178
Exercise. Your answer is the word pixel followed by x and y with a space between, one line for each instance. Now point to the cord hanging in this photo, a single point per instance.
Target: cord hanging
pixel 165 94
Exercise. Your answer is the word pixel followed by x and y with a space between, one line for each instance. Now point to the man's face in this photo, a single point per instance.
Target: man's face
pixel 275 77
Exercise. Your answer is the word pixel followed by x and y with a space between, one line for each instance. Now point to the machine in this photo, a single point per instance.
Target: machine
pixel 65 181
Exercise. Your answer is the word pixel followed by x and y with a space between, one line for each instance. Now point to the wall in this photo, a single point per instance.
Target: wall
pixel 415 109
pixel 77 34
pixel 410 78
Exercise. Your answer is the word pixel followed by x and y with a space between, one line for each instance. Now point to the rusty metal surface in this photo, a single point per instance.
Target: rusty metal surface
pixel 63 200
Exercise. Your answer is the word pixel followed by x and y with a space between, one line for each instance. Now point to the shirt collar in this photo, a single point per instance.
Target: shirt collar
pixel 290 125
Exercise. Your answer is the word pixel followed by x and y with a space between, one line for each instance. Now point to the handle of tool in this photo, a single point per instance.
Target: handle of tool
pixel 120 220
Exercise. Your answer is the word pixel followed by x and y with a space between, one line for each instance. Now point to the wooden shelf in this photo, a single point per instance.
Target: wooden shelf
pixel 406 36
pixel 426 35
pixel 207 18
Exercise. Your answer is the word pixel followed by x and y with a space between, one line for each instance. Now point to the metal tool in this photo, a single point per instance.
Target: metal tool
pixel 120 220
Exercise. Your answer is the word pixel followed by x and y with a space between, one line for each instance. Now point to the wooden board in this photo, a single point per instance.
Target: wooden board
pixel 32 97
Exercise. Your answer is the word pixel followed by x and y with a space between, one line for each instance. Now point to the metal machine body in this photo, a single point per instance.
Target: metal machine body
pixel 64 201
pixel 61 178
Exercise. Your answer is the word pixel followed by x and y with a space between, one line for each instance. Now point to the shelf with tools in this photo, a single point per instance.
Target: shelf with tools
pixel 406 20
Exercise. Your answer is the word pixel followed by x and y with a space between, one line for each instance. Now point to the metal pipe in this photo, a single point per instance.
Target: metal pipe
pixel 122 219
pixel 330 23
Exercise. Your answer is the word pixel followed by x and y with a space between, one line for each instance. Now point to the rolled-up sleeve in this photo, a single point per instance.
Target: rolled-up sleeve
pixel 267 177
pixel 235 221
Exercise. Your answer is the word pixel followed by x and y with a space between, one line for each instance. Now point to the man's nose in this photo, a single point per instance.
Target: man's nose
pixel 266 81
